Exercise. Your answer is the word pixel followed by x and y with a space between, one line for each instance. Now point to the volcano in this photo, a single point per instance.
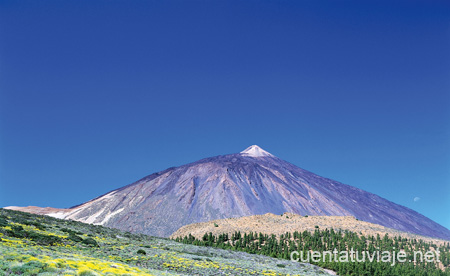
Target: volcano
pixel 252 182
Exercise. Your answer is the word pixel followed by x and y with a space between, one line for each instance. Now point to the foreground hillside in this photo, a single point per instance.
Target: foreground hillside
pixel 280 224
pixel 41 245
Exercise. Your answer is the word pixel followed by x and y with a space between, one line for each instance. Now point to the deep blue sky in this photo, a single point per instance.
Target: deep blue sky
pixel 97 94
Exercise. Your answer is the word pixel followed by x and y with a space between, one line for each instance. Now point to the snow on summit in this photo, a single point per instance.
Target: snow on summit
pixel 255 151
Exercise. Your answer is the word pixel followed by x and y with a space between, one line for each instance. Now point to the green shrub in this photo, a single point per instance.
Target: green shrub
pixel 3 222
pixel 90 241
pixel 281 265
pixel 30 268
pixel 75 238
pixel 142 252
pixel 87 273
pixel 15 233
pixel 34 223
pixel 39 226
pixel 43 239
pixel 70 231
pixel 216 225
pixel 17 228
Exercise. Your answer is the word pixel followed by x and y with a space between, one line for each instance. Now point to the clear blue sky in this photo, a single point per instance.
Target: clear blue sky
pixel 97 94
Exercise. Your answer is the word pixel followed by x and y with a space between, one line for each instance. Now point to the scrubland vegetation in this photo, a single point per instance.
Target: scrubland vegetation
pixel 40 245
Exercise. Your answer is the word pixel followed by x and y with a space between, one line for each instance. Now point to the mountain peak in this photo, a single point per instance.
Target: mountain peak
pixel 255 151
pixel 252 182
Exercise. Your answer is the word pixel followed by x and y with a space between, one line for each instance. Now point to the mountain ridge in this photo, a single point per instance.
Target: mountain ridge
pixel 253 182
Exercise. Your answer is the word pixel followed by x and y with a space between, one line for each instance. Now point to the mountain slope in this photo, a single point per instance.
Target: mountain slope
pixel 252 182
